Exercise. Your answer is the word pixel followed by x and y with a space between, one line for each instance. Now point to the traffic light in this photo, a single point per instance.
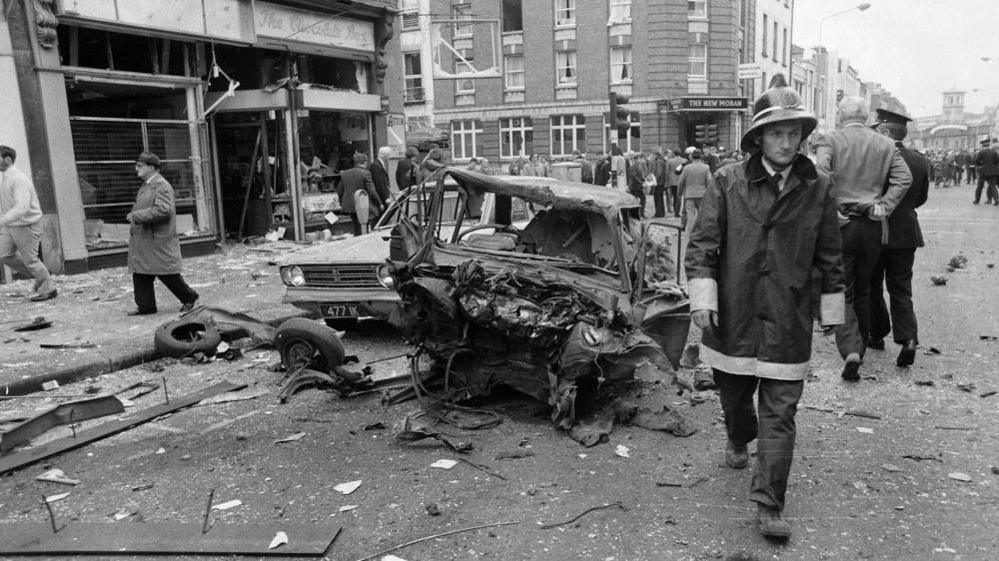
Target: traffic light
pixel 705 133
pixel 619 115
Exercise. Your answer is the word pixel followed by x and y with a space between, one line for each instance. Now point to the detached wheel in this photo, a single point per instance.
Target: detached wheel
pixel 306 343
pixel 180 338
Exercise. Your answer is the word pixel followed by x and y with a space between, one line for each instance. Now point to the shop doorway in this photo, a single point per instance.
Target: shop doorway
pixel 251 173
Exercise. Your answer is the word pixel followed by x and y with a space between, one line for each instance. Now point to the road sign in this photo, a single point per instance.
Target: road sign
pixel 750 70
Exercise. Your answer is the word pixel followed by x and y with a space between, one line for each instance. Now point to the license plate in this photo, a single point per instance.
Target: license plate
pixel 340 311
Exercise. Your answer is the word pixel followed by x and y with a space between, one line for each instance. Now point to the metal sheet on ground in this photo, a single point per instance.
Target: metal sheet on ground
pixel 32 455
pixel 164 538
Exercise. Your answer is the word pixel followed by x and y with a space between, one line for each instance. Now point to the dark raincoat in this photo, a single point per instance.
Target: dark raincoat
pixel 750 258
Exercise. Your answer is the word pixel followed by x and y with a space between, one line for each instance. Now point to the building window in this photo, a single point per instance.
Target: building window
pixel 565 13
pixel 414 78
pixel 465 139
pixel 698 60
pixel 765 27
pixel 410 22
pixel 783 52
pixel 568 134
pixel 462 11
pixel 465 85
pixel 697 9
pixel 513 18
pixel 620 11
pixel 513 71
pixel 774 52
pixel 565 65
pixel 626 142
pixel 516 137
pixel 620 60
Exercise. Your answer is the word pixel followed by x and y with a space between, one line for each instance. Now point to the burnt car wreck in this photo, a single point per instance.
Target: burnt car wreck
pixel 582 297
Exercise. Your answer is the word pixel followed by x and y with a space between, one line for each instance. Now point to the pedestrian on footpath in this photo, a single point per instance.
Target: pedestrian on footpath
pixel 21 225
pixel 675 162
pixel 862 162
pixel 407 172
pixel 154 247
pixel 691 186
pixel 358 180
pixel 764 224
pixel 660 170
pixel 894 268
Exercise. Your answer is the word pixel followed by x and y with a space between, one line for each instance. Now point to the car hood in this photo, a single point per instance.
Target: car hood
pixel 372 247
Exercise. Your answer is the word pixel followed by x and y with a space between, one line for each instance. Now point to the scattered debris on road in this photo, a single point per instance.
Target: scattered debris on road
pixel 958 476
pixel 63 414
pixel 56 475
pixel 584 513
pixel 348 487
pixel 938 280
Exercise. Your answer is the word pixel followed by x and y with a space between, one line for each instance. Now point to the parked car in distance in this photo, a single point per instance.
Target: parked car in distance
pixel 338 280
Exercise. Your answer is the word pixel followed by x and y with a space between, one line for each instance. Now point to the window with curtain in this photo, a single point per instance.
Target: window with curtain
pixel 620 60
pixel 565 66
pixel 513 72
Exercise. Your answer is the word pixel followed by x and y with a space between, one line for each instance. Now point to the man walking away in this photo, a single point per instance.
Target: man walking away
pixel 675 163
pixel 660 170
pixel 861 163
pixel 764 225
pixel 894 268
pixel 21 225
pixel 988 172
pixel 380 176
pixel 407 171
pixel 691 185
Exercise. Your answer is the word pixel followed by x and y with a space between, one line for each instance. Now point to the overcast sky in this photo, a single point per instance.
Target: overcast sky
pixel 915 48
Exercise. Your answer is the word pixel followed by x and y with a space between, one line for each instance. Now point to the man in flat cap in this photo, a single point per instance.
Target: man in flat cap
pixel 861 163
pixel 154 247
pixel 764 225
pixel 894 267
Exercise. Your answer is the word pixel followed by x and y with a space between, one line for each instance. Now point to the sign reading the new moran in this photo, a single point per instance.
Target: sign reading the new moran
pixel 289 24
pixel 710 104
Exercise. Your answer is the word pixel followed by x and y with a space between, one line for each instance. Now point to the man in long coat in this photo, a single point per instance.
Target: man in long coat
pixel 894 268
pixel 153 246
pixel 357 178
pixel 763 226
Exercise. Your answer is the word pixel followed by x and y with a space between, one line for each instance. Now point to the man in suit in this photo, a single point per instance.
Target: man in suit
pixel 406 171
pixel 987 162
pixel 862 162
pixel 894 268
pixel 379 174
pixel 21 225
pixel 358 178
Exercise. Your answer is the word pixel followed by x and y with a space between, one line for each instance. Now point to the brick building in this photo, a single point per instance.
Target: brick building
pixel 675 59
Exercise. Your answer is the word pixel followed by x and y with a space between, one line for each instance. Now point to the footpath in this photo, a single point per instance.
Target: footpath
pixel 92 332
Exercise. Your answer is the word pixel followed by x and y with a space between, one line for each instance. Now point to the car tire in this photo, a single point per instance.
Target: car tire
pixel 342 324
pixel 307 343
pixel 184 337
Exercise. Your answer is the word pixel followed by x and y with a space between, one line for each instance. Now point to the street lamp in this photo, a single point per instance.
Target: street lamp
pixel 860 7
pixel 823 57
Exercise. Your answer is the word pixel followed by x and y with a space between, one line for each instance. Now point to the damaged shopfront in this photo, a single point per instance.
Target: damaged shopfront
pixel 252 106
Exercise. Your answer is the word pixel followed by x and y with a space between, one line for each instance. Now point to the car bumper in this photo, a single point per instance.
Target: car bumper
pixel 341 304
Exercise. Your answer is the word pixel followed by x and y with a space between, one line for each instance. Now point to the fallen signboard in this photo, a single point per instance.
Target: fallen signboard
pixel 165 538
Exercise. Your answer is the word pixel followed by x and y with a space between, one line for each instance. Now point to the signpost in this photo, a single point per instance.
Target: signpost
pixel 750 70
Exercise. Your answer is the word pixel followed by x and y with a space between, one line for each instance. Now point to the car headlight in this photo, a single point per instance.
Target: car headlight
pixel 385 277
pixel 293 276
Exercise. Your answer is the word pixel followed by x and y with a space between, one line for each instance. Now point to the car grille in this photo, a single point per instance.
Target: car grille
pixel 349 276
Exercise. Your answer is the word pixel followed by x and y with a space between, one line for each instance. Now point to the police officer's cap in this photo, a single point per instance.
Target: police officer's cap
pixel 886 116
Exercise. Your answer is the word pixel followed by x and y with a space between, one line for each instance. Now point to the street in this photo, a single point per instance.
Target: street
pixel 902 465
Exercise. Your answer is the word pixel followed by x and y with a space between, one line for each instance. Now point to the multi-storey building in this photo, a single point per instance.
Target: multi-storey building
pixel 559 59
pixel 806 80
pixel 881 98
pixel 772 46
pixel 954 128
pixel 250 104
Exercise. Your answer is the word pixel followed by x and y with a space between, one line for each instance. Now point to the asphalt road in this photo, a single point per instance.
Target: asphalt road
pixel 861 488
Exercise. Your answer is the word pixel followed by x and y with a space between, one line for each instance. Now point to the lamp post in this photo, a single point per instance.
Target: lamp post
pixel 823 57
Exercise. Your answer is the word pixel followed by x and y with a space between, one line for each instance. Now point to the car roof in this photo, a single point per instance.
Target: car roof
pixel 547 191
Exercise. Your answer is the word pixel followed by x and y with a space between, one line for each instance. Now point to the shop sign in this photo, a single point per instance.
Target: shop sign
pixel 290 24
pixel 709 104
pixel 229 19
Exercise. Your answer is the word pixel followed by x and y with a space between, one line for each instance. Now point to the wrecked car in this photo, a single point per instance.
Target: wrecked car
pixel 581 296
pixel 338 281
